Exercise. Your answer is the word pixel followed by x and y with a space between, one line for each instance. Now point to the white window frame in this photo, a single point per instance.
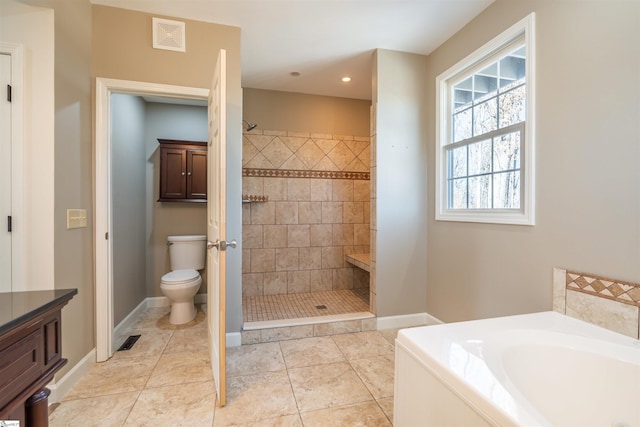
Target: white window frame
pixel 444 84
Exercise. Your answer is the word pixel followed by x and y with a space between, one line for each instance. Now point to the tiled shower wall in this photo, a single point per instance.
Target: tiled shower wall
pixel 317 211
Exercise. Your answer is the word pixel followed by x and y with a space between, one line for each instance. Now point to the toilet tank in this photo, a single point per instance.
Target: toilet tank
pixel 187 252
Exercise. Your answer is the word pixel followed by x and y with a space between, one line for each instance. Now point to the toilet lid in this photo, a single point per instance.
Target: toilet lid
pixel 178 276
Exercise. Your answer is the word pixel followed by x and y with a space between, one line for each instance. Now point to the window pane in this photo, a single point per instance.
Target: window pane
pixel 480 157
pixel 506 152
pixel 480 192
pixel 462 125
pixel 512 67
pixel 484 85
pixel 458 162
pixel 458 193
pixel 462 94
pixel 506 190
pixel 485 117
pixel 512 107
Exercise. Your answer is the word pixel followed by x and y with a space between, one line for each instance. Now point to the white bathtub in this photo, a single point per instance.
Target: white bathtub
pixel 542 369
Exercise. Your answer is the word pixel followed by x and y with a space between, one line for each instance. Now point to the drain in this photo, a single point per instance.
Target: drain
pixel 129 342
pixel 321 307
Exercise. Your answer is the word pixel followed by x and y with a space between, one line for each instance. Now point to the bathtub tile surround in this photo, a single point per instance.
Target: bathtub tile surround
pixel 318 211
pixel 610 303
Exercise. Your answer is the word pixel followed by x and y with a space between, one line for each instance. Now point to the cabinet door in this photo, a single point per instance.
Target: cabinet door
pixel 173 177
pixel 197 174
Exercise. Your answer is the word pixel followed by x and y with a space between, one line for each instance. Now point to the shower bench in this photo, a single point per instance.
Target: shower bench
pixel 362 261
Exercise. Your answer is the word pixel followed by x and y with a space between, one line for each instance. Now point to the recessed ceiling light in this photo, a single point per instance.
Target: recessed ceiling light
pixel 346 79
pixel 294 74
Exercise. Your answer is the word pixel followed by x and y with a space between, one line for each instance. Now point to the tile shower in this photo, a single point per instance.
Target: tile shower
pixel 306 205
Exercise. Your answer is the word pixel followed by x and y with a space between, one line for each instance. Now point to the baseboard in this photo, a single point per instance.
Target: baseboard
pixel 59 388
pixel 234 339
pixel 407 321
pixel 126 323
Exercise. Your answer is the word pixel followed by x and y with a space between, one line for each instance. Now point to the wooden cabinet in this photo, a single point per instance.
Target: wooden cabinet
pixel 183 171
pixel 30 352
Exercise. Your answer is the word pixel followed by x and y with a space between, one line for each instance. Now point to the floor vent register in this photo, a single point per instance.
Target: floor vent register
pixel 129 342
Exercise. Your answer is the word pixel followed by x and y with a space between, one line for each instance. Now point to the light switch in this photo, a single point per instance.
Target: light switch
pixel 76 218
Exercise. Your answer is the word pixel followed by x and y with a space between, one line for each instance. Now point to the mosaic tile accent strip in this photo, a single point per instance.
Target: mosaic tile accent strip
pixel 292 306
pixel 287 150
pixel 625 292
pixel 290 173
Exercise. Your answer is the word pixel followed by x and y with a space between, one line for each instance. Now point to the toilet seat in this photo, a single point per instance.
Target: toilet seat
pixel 180 278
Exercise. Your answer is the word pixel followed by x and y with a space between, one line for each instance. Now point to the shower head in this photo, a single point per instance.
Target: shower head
pixel 250 126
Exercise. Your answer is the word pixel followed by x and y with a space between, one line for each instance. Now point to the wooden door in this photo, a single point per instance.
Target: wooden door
pixel 216 226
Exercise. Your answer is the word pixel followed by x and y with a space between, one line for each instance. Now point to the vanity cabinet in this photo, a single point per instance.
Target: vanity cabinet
pixel 30 352
pixel 183 171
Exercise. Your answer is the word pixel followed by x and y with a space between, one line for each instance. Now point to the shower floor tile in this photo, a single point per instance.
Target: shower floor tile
pixel 291 306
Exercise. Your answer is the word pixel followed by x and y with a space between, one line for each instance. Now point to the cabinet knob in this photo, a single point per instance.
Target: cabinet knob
pixel 189 173
pixel 182 173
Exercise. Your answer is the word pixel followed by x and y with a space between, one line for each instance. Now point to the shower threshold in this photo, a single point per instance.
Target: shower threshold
pixel 300 321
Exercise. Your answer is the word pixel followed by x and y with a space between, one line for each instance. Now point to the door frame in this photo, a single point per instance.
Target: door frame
pixel 103 248
pixel 18 212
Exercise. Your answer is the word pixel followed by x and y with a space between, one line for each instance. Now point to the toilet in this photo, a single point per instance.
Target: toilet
pixel 181 284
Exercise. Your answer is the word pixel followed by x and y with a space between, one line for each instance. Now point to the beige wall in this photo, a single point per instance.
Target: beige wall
pixel 62 169
pixel 306 113
pixel 398 219
pixel 127 53
pixel 587 152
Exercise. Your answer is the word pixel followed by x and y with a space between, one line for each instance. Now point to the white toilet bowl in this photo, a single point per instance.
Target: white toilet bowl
pixel 180 286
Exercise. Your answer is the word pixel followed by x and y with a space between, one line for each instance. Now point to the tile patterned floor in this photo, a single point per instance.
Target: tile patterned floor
pixel 165 379
pixel 291 306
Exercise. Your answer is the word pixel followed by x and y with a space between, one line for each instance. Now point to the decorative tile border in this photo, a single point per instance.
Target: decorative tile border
pixel 616 290
pixel 291 173
pixel 288 150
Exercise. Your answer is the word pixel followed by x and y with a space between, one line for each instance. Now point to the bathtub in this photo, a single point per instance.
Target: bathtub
pixel 541 369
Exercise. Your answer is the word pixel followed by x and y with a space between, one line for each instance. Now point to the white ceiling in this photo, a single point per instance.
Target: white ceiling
pixel 323 40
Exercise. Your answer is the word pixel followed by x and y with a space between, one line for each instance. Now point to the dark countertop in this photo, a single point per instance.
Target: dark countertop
pixel 17 307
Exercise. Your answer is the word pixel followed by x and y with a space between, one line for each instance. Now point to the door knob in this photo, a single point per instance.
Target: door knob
pixel 222 245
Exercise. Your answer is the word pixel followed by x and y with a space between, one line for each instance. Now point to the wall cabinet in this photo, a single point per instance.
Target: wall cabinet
pixel 183 171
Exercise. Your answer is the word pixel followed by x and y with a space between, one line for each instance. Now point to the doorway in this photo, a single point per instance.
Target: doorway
pixel 104 200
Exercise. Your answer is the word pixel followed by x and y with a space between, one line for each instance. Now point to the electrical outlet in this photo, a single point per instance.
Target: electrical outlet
pixel 76 218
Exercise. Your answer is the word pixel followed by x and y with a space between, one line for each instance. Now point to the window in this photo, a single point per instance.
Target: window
pixel 484 158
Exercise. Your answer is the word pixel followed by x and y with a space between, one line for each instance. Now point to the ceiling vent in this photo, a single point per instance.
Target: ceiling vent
pixel 168 35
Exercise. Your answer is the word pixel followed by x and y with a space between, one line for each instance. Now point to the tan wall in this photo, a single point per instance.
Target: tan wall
pixel 398 177
pixel 72 179
pixel 122 49
pixel 587 151
pixel 306 113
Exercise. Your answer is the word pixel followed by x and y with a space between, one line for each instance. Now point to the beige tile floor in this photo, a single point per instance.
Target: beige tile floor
pixel 165 379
